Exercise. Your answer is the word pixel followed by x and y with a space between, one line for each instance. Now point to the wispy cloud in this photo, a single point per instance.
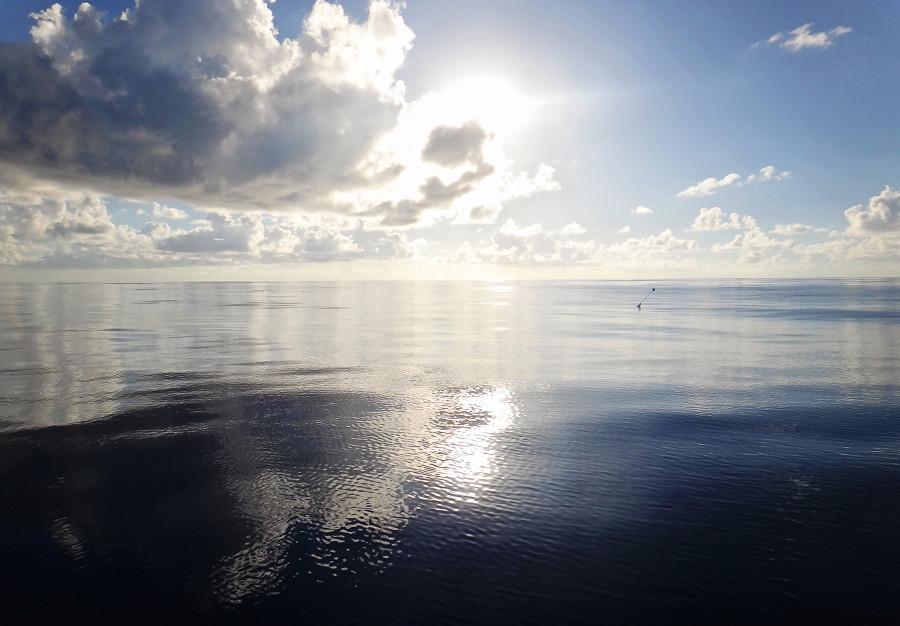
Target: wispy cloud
pixel 709 186
pixel 802 38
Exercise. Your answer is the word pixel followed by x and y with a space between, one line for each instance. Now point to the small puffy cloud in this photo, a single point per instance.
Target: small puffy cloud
pixel 802 38
pixel 641 210
pixel 714 219
pixel 625 230
pixel 766 173
pixel 167 212
pixel 572 229
pixel 881 217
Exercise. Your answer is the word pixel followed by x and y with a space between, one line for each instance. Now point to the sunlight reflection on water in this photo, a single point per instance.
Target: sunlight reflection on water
pixel 471 459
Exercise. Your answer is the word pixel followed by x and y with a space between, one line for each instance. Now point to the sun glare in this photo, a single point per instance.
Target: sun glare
pixel 494 103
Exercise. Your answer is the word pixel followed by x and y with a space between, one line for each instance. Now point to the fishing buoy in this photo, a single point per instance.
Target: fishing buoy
pixel 645 297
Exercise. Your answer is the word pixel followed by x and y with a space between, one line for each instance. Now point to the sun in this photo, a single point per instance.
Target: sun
pixel 493 102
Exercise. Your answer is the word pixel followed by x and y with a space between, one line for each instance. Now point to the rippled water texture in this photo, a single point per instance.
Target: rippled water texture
pixel 451 452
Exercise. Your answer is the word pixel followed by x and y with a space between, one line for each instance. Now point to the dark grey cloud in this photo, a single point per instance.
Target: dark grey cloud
pixel 434 194
pixel 145 125
pixel 452 146
pixel 198 99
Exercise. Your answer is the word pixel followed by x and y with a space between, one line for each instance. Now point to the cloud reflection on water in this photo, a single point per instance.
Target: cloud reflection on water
pixel 227 443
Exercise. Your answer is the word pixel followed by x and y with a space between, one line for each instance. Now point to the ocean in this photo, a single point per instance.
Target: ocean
pixel 451 452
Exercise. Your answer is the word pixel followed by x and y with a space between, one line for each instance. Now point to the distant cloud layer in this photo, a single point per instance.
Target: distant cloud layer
pixel 202 101
pixel 76 230
pixel 802 38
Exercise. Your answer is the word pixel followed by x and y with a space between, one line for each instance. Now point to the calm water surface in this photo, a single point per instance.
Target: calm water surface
pixel 458 452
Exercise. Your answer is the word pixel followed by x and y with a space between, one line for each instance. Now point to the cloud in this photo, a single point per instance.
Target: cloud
pixel 78 232
pixel 802 38
pixel 791 229
pixel 714 219
pixel 533 244
pixel 752 242
pixel 203 102
pixel 572 229
pixel 709 186
pixel 641 210
pixel 451 146
pixel 766 173
pixel 50 231
pixel 881 217
pixel 625 230
pixel 664 251
pixel 167 212
pixel 665 241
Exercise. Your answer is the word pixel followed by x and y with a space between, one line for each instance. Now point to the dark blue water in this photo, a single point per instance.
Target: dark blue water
pixel 451 452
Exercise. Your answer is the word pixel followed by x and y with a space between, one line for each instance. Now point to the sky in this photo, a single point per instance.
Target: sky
pixel 291 140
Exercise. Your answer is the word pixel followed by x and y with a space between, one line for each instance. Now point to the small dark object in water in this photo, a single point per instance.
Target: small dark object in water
pixel 645 297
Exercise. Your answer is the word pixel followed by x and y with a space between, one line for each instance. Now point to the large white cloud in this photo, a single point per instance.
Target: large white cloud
pixel 882 216
pixel 201 101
